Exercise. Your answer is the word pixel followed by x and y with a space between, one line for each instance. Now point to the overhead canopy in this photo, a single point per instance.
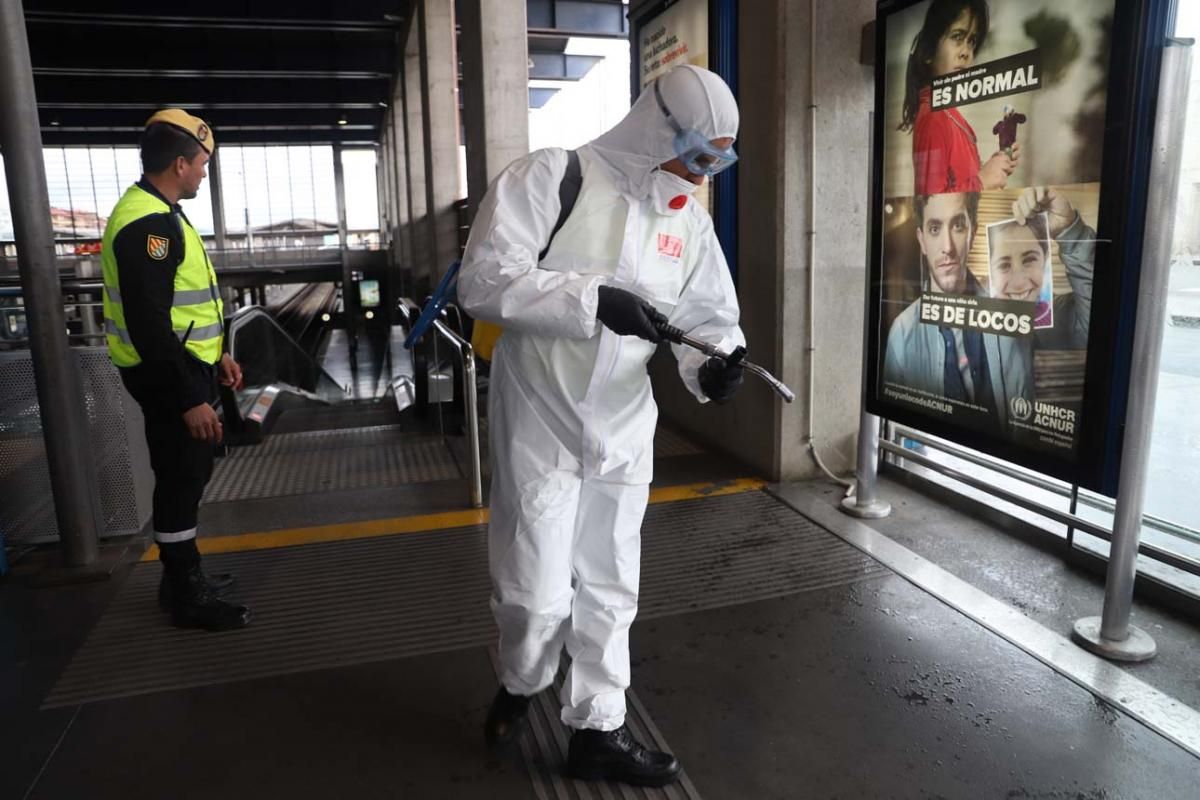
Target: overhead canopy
pixel 260 71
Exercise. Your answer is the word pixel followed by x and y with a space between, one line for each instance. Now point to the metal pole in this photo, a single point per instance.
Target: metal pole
pixel 218 205
pixel 56 372
pixel 1111 635
pixel 471 398
pixel 401 210
pixel 865 504
pixel 1074 508
pixel 349 304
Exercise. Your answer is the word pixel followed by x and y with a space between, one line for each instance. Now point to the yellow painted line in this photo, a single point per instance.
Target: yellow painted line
pixel 696 491
pixel 424 523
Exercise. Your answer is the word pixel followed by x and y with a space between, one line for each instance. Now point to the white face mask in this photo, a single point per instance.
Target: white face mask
pixel 670 192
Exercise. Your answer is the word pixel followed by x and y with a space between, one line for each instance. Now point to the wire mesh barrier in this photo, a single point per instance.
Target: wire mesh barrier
pixel 26 501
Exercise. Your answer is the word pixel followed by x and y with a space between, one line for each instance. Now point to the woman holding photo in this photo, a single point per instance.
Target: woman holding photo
pixel 945 150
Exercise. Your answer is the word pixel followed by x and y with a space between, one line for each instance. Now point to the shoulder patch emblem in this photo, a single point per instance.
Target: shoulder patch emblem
pixel 157 246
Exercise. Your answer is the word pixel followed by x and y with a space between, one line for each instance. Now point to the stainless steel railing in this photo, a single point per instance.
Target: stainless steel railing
pixel 466 355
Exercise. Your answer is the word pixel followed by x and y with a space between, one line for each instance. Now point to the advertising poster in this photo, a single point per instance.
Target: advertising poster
pixel 992 158
pixel 676 35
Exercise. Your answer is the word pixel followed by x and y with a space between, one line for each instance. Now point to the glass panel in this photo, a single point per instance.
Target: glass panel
pixel 362 203
pixel 1175 455
pixel 285 187
pixel 323 185
pixel 199 209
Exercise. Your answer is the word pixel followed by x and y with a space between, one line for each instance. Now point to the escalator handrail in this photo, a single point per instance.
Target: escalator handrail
pixel 244 315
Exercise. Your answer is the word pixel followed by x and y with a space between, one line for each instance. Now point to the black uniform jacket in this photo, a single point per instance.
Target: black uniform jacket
pixel 169 376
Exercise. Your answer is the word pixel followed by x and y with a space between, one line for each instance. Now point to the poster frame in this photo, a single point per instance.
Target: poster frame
pixel 1140 29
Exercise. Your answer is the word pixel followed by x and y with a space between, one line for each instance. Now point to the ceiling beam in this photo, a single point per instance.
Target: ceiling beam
pixel 55 138
pixel 207 74
pixel 85 19
pixel 313 106
pixel 198 92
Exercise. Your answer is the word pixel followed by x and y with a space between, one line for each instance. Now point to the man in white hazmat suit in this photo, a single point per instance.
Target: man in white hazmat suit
pixel 571 412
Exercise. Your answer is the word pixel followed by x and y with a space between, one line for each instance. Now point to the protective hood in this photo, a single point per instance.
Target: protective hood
pixel 641 141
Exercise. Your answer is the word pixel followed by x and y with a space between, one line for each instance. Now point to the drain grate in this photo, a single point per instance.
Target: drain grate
pixel 325 461
pixel 343 603
pixel 544 750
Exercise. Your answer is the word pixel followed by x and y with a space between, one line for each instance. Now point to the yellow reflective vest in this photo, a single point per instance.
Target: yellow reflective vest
pixel 197 312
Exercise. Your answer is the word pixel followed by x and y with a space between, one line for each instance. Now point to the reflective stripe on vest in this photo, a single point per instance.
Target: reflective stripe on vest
pixel 197 312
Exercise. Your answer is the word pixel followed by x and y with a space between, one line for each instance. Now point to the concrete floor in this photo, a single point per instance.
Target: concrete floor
pixel 875 690
pixel 1031 575
pixel 880 691
pixel 868 691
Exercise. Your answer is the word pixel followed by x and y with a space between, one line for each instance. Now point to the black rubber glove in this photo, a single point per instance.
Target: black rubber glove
pixel 720 378
pixel 627 314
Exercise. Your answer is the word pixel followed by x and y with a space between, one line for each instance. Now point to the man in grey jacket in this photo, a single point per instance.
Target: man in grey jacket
pixel 981 370
pixel 986 370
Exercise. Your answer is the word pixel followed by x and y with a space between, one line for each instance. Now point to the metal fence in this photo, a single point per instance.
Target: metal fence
pixel 115 443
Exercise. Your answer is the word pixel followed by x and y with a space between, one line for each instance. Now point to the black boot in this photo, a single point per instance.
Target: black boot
pixel 505 719
pixel 616 755
pixel 189 596
pixel 217 583
pixel 194 605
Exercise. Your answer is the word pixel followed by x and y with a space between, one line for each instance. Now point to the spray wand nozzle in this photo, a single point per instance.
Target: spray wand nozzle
pixel 676 336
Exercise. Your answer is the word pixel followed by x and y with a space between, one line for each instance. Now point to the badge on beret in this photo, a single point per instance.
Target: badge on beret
pixel 156 247
pixel 202 133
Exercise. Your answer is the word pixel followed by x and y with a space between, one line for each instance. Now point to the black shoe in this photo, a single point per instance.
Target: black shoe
pixel 217 583
pixel 193 605
pixel 505 719
pixel 616 755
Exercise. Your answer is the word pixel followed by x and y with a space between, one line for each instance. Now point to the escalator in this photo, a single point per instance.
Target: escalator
pixel 278 374
pixel 340 414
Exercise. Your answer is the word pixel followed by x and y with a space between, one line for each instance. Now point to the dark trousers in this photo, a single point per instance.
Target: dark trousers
pixel 182 465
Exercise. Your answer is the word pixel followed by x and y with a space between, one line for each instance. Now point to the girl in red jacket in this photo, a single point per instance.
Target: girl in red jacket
pixel 945 151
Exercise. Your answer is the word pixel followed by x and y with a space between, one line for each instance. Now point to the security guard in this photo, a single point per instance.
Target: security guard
pixel 164 322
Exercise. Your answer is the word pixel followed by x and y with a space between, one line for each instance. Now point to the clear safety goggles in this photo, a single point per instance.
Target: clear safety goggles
pixel 698 154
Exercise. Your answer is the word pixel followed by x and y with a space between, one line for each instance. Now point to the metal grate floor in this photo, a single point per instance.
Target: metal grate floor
pixel 544 750
pixel 325 461
pixel 343 603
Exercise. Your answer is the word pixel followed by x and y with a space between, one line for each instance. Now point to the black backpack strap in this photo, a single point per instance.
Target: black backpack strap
pixel 568 192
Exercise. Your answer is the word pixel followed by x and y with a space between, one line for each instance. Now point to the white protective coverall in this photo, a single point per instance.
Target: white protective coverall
pixel 571 412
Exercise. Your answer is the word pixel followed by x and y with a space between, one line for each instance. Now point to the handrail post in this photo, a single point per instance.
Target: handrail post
pixel 471 397
pixel 865 504
pixel 471 401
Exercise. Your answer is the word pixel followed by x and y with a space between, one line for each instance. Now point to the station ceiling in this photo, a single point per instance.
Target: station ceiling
pixel 260 71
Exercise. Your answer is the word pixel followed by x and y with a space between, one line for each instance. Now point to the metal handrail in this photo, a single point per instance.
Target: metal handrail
pixel 1096 501
pixel 471 400
pixel 68 287
pixel 1162 555
pixel 466 354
